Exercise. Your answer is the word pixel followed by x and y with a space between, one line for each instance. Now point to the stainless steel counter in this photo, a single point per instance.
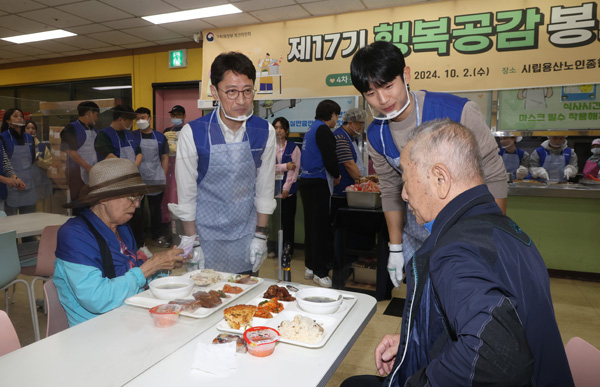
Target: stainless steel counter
pixel 576 191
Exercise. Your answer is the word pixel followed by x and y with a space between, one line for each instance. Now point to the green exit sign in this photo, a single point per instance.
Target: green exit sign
pixel 177 59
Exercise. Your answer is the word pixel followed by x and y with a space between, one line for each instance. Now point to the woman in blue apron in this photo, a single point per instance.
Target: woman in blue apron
pixel 516 161
pixel 554 161
pixel 43 160
pixel 19 147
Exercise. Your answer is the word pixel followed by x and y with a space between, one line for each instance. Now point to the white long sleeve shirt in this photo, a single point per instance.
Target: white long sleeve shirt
pixel 186 171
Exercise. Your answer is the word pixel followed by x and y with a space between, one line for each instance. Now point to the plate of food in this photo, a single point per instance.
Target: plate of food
pixel 295 325
pixel 211 291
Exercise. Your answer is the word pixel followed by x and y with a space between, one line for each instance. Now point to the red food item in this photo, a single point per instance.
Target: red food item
pixel 232 289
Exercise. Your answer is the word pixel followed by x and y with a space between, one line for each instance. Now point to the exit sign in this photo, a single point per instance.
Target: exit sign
pixel 177 59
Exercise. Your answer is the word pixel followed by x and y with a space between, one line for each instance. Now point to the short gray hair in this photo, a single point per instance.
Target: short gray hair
pixel 354 115
pixel 449 143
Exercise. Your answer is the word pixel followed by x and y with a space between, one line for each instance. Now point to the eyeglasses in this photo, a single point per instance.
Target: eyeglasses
pixel 233 94
pixel 137 198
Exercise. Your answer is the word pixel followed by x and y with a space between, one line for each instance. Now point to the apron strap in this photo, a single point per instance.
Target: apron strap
pixel 107 262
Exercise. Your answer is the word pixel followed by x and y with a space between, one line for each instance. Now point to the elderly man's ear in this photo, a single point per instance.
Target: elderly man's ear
pixel 441 180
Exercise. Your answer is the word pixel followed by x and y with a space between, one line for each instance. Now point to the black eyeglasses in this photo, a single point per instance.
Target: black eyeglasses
pixel 232 94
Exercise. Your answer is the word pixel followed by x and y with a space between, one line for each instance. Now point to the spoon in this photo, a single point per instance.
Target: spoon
pixel 292 288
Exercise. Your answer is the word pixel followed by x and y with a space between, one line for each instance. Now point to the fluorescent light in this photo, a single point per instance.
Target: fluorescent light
pixel 199 13
pixel 55 34
pixel 112 87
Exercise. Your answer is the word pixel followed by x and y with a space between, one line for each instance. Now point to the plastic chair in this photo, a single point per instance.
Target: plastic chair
pixel 9 341
pixel 10 268
pixel 584 361
pixel 2 214
pixel 57 317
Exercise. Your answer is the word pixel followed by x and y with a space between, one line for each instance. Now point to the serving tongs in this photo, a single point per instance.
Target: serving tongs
pixel 592 177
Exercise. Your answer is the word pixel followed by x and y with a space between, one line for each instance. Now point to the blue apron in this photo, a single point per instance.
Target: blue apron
pixel 87 151
pixel 555 166
pixel 43 184
pixel 225 212
pixel 511 163
pixel 151 167
pixel 22 164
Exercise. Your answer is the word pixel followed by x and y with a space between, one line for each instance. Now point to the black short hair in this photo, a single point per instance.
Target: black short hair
pixel 123 111
pixel 143 110
pixel 6 117
pixel 234 61
pixel 284 123
pixel 87 106
pixel 31 122
pixel 325 110
pixel 378 63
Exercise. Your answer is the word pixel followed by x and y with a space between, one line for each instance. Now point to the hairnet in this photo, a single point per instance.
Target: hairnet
pixel 354 115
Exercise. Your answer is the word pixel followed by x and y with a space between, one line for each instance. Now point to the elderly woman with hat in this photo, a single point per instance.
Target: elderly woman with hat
pixel 97 262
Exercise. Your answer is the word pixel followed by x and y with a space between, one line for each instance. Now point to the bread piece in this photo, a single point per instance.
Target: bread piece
pixel 239 315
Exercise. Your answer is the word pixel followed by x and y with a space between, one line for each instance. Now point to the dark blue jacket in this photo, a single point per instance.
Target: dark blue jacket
pixel 478 308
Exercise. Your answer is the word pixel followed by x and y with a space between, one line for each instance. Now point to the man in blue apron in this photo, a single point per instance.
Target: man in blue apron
pixel 554 161
pixel 117 140
pixel 77 140
pixel 225 173
pixel 516 160
pixel 20 150
pixel 320 173
pixel 154 166
pixel 379 72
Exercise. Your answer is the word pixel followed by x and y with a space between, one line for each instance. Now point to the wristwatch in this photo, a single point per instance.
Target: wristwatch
pixel 262 230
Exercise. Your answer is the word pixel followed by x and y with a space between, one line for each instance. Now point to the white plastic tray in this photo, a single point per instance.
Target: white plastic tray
pixel 329 322
pixel 146 300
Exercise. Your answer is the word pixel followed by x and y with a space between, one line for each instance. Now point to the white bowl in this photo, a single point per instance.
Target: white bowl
pixel 170 288
pixel 319 305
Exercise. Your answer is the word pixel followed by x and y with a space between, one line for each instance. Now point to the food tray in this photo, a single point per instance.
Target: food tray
pixel 358 199
pixel 329 322
pixel 146 300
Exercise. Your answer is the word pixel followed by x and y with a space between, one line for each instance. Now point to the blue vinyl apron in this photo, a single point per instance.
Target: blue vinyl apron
pixel 511 163
pixel 225 212
pixel 151 167
pixel 43 184
pixel 22 164
pixel 555 166
pixel 126 152
pixel 87 151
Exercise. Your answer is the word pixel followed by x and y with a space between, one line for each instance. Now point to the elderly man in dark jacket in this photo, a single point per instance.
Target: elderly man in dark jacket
pixel 478 310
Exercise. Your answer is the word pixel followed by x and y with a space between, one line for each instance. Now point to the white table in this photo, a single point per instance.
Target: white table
pixel 123 346
pixel 31 224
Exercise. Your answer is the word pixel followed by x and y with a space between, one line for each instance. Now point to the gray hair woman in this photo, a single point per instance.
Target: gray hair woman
pixel 97 264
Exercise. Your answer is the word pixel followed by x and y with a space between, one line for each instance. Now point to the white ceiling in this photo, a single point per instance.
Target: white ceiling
pixel 113 25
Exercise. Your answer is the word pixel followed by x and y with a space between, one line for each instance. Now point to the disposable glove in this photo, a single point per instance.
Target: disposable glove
pixel 539 173
pixel 197 260
pixel 570 171
pixel 258 251
pixel 521 172
pixel 395 264
pixel 188 243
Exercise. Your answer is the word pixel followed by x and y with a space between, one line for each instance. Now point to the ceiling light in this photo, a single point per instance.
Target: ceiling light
pixel 56 34
pixel 199 13
pixel 112 87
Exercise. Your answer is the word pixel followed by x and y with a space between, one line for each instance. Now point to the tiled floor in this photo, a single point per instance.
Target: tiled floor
pixel 577 306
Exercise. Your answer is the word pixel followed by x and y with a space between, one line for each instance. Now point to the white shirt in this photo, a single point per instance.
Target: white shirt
pixel 186 171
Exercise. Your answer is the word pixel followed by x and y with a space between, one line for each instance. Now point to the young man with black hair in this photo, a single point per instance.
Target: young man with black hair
pixel 380 74
pixel 225 173
pixel 117 140
pixel 77 140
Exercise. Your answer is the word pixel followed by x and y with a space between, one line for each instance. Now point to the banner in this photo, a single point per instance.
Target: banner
pixel 461 45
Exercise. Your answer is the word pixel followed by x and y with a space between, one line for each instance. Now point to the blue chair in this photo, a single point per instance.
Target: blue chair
pixel 10 268
pixel 2 214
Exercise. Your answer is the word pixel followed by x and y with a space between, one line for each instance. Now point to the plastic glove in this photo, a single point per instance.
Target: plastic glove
pixel 395 264
pixel 188 243
pixel 539 173
pixel 258 251
pixel 197 260
pixel 171 137
pixel 521 172
pixel 570 171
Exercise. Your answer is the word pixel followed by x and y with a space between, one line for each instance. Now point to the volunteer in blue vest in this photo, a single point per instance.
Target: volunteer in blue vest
pixel 553 161
pixel 117 139
pixel 225 173
pixel 349 157
pixel 286 184
pixel 20 149
pixel 8 178
pixel 77 140
pixel 516 161
pixel 43 160
pixel 320 173
pixel 591 170
pixel 380 74
pixel 153 168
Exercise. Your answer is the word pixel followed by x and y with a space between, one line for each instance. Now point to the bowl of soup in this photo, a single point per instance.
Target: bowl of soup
pixel 319 300
pixel 170 288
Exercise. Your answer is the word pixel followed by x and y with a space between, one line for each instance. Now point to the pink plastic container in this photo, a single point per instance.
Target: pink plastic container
pixel 261 340
pixel 165 315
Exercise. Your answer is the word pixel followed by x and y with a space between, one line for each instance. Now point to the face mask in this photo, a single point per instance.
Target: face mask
pixel 18 123
pixel 555 146
pixel 393 114
pixel 176 121
pixel 238 118
pixel 596 151
pixel 142 124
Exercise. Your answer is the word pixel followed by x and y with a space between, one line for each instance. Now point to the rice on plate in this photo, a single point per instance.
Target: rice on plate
pixel 302 329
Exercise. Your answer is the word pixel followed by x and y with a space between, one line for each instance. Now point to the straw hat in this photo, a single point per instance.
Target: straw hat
pixel 113 178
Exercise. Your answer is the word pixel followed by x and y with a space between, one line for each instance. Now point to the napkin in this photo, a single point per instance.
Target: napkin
pixel 217 359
